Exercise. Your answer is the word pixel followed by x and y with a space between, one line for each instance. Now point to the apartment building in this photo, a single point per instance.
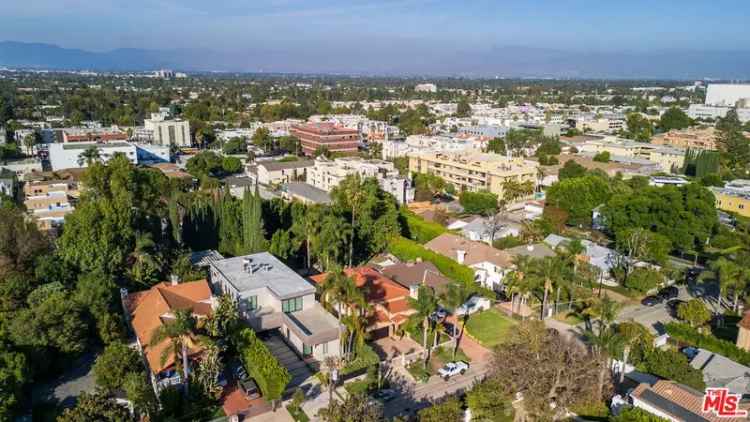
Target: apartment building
pixel 168 132
pixel 694 138
pixel 73 155
pixel 271 296
pixel 713 112
pixel 417 144
pixel 475 171
pixel 734 197
pixel 327 174
pixel 427 87
pixel 336 139
pixel 49 201
pixel 669 158
pixel 278 172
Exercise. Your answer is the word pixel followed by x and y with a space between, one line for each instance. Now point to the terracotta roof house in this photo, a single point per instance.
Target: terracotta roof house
pixel 675 402
pixel 413 274
pixel 490 265
pixel 150 309
pixel 389 299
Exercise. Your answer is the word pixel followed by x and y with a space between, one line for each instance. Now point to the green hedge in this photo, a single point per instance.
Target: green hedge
pixel 409 250
pixel 366 357
pixel 419 229
pixel 687 334
pixel 271 376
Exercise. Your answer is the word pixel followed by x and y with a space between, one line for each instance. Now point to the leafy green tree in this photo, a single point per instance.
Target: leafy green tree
pixel 478 202
pixel 639 127
pixel 602 157
pixel 733 278
pixel 447 411
pixel 643 279
pixel 694 312
pixel 145 261
pixel 674 118
pixel 235 146
pixel 355 407
pixel 497 146
pixel 113 364
pixel 231 165
pixel 673 365
pixel 463 108
pixel 204 163
pixel 735 147
pixel 95 407
pixel 427 185
pixel 283 245
pixel 138 390
pixel 20 241
pixel 578 197
pixel 53 321
pixel 14 373
pixel 487 402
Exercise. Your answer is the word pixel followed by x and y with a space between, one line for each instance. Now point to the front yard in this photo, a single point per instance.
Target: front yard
pixel 490 327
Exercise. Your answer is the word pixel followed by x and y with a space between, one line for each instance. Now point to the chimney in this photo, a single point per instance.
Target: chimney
pixel 174 279
pixel 460 255
pixel 414 291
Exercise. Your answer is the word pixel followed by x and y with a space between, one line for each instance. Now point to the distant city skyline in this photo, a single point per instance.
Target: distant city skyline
pixel 359 35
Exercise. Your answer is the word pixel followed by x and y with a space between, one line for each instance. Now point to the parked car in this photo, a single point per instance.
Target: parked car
pixel 690 352
pixel 474 304
pixel 651 300
pixel 673 305
pixel 668 293
pixel 250 388
pixel 453 368
pixel 385 395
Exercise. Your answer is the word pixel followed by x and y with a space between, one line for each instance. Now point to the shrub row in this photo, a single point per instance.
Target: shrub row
pixel 409 250
pixel 419 229
pixel 271 376
pixel 687 334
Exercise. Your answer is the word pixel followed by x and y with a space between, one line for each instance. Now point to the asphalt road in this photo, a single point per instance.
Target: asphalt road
pixel 420 396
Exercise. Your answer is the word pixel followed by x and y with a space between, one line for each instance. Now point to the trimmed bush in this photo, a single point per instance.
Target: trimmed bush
pixel 419 229
pixel 687 334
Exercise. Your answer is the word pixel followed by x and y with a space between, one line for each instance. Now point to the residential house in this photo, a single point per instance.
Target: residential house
pixel 7 182
pixel 481 229
pixel 389 299
pixel 533 250
pixel 148 310
pixel 490 265
pixel 304 193
pixel 743 334
pixel 278 172
pixel 721 372
pixel 601 258
pixel 675 402
pixel 271 296
pixel 414 274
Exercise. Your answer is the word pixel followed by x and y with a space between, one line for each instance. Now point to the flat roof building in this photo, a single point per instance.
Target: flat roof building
pixel 335 139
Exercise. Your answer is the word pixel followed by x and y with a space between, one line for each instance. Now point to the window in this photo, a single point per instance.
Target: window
pixel 291 305
pixel 306 350
pixel 324 348
pixel 252 303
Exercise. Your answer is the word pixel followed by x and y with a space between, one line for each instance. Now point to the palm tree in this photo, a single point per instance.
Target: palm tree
pixel 602 309
pixel 425 304
pixel 454 296
pixel 144 258
pixel 544 272
pixel 88 156
pixel 518 285
pixel 333 294
pixel 180 333
pixel 333 236
pixel 308 228
pixel 732 277
pixel 632 334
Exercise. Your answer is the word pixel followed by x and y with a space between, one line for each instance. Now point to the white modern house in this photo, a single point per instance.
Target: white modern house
pixel 271 296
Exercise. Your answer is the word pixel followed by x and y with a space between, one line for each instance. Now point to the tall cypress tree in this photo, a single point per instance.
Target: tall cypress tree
pixel 252 222
pixel 230 224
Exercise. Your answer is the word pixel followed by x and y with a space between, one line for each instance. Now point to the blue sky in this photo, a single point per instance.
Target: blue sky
pixel 399 26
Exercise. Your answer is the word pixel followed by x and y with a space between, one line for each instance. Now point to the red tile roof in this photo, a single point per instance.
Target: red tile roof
pixel 377 287
pixel 684 397
pixel 149 309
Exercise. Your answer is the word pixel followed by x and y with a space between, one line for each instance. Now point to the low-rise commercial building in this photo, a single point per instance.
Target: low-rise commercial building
pixel 713 112
pixel 336 139
pixel 420 144
pixel 475 171
pixel 75 155
pixel 23 167
pixel 327 174
pixel 93 135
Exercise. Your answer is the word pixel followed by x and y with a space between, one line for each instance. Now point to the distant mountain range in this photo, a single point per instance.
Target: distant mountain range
pixel 491 62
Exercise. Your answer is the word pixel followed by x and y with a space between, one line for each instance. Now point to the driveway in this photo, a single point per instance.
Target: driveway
pixel 388 348
pixel 288 358
pixel 66 388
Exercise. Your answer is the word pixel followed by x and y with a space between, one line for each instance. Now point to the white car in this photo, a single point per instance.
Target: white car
pixel 453 368
pixel 474 304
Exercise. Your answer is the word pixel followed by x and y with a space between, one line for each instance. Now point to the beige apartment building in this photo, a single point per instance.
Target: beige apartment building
pixel 669 158
pixel 49 201
pixel 695 138
pixel 475 171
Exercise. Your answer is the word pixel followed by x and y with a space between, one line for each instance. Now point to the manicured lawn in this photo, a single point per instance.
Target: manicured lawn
pixel 445 354
pixel 489 327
